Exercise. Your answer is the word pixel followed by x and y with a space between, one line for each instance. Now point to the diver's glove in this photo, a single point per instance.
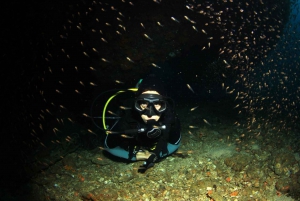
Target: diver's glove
pixel 148 163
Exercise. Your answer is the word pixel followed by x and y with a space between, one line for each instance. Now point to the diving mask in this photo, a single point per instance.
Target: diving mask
pixel 150 104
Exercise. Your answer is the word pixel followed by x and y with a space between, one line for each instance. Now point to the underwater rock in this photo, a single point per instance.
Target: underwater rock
pixel 295 184
pixel 100 194
pixel 284 164
pixel 238 161
pixel 283 185
pixel 278 169
pixel 69 160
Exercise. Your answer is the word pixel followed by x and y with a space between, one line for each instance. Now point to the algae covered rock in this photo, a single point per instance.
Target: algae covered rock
pixel 238 162
pixel 284 163
pixel 283 185
pixel 100 194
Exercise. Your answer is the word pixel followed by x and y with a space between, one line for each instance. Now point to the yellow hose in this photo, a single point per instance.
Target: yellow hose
pixel 107 102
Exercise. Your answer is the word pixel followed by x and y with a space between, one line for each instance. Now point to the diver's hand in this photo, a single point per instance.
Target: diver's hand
pixel 142 155
pixel 148 163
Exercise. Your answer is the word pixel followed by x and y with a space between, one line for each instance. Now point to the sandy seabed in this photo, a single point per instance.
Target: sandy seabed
pixel 216 161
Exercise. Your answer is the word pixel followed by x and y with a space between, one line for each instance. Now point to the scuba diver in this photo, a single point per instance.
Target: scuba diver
pixel 148 129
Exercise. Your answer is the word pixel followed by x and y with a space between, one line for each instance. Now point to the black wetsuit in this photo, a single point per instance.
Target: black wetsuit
pixel 166 143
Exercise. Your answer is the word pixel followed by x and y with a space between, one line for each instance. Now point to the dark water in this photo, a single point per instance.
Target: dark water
pixel 250 52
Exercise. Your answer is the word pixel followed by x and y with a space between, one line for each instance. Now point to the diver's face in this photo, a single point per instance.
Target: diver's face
pixel 144 106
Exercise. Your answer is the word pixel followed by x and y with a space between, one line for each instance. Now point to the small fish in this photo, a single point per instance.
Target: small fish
pixel 119 82
pixel 143 25
pixel 205 121
pixel 237 105
pixel 105 60
pixel 93 84
pixel 61 106
pixel 94 49
pixel 187 18
pixel 80 82
pixel 71 121
pixel 190 88
pixel 43 144
pixel 156 66
pixel 58 91
pixel 48 111
pixel 63 37
pixel 203 31
pixel 113 8
pixel 55 130
pixel 125 108
pixel 191 21
pixel 174 19
pixel 230 92
pixel 191 134
pixel 104 40
pixel 77 91
pixel 110 112
pixel 90 131
pixel 86 54
pixel 93 69
pixel 190 8
pixel 126 136
pixel 148 37
pixel 195 28
pixel 192 109
pixel 159 24
pixel 193 127
pixel 129 59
